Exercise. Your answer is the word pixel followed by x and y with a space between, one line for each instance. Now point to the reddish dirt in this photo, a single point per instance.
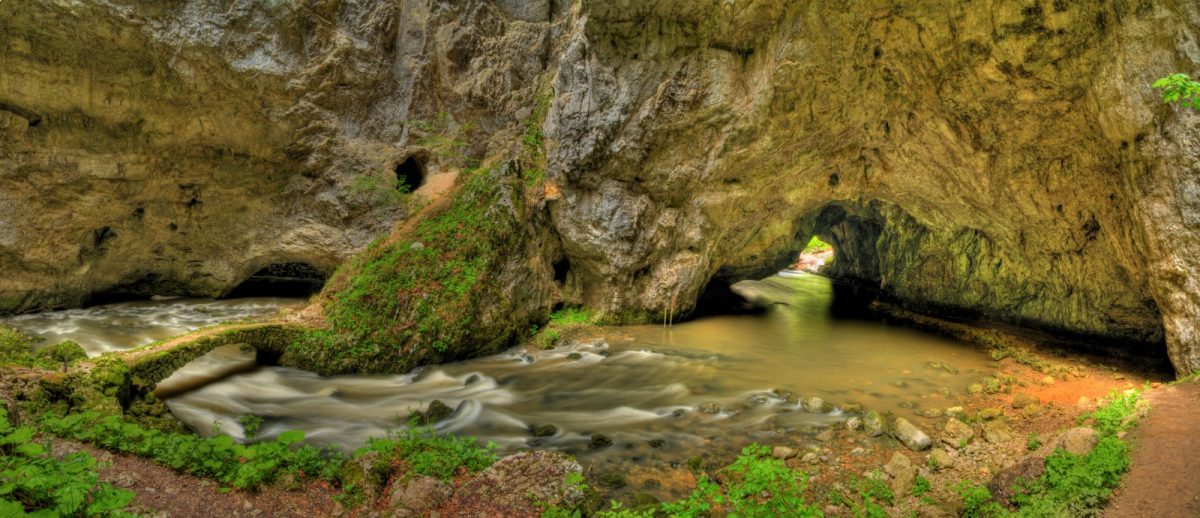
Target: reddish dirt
pixel 1163 480
pixel 162 491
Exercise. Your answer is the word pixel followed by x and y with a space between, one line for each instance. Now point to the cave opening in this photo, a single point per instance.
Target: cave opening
pixel 410 174
pixel 281 280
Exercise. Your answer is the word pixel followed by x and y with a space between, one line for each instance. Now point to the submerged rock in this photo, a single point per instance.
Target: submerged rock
pixel 598 441
pixel 709 407
pixel 543 430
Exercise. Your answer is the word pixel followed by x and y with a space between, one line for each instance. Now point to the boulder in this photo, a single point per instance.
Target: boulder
pixel 817 405
pixel 854 423
pixel 996 432
pixel 518 485
pixel 940 459
pixel 1006 483
pixel 957 434
pixel 783 452
pixel 910 435
pixel 417 496
pixel 709 407
pixel 902 472
pixel 874 424
pixel 1078 441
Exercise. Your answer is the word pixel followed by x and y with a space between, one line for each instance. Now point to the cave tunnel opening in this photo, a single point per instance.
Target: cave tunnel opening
pixel 838 243
pixel 410 174
pixel 281 280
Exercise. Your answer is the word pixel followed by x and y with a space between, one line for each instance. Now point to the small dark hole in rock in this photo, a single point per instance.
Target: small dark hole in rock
pixel 561 268
pixel 410 174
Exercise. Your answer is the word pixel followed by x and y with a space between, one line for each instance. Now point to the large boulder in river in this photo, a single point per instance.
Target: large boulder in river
pixel 910 435
pixel 517 485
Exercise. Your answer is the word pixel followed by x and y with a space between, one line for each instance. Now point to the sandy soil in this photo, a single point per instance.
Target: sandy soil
pixel 1164 480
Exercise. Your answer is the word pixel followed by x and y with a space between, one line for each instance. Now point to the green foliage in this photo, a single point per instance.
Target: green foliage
pixel 444 138
pixel 377 190
pixel 815 245
pixel 1072 485
pixel 533 146
pixel 571 317
pixel 978 502
pixel 33 480
pixel 1033 443
pixel 429 454
pixel 921 486
pixel 1180 89
pixel 1112 416
pixel 873 494
pixel 251 425
pixel 243 466
pixel 549 338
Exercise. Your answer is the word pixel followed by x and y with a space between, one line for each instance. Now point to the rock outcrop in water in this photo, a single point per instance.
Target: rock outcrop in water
pixel 996 158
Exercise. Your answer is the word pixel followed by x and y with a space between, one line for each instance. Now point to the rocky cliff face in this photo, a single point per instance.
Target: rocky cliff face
pixel 1004 159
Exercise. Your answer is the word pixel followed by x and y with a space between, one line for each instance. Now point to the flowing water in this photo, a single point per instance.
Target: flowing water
pixel 125 325
pixel 659 394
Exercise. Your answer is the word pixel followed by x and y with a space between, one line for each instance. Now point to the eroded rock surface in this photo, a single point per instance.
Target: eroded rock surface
pixel 995 158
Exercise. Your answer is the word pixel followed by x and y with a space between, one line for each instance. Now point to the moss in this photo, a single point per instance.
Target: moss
pixel 64 353
pixel 15 347
pixel 417 298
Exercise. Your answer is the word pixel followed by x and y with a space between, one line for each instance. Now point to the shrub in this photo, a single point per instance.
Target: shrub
pixel 64 353
pixel 428 454
pixel 1180 89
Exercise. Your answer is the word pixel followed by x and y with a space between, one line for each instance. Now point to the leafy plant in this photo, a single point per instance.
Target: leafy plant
pixel 251 425
pixel 816 245
pixel 921 486
pixel 426 453
pixel 33 480
pixel 1180 89
pixel 243 466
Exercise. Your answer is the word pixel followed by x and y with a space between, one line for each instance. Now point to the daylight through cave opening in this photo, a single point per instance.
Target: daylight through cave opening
pixel 281 280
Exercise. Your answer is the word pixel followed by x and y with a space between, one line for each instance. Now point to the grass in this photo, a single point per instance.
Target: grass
pixel 1072 485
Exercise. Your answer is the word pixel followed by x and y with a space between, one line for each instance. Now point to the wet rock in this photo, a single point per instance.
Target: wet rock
pixel 543 430
pixel 709 407
pixel 574 356
pixel 1023 400
pixel 956 412
pixel 417 496
pixel 910 435
pixel 908 405
pixel 657 443
pixel 852 408
pixel 783 452
pixel 810 458
pixel 874 424
pixel 957 434
pixel 932 413
pixel 854 423
pixel 940 459
pixel 996 432
pixel 519 484
pixel 599 441
pixel 437 411
pixel 900 384
pixel 942 367
pixel 613 480
pixel 817 405
pixel 824 436
pixel 786 395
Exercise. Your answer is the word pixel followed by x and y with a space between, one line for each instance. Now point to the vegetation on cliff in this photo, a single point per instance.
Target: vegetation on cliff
pixel 1180 89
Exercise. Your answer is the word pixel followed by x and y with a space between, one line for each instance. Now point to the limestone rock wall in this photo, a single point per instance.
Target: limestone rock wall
pixel 999 158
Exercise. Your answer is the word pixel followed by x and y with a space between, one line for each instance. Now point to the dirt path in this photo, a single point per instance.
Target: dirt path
pixel 1164 480
pixel 164 492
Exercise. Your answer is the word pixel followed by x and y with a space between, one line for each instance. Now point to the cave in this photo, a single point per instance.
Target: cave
pixel 410 174
pixel 281 280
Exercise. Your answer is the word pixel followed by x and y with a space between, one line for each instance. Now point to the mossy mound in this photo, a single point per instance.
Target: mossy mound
pixel 463 282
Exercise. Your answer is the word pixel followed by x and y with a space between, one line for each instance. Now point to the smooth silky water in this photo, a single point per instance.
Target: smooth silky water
pixel 640 386
pixel 125 325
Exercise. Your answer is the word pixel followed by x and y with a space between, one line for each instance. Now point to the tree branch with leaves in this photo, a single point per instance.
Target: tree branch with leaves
pixel 1179 89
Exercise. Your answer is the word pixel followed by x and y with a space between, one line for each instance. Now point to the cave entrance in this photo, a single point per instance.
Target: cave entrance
pixel 281 280
pixel 410 174
pixel 838 242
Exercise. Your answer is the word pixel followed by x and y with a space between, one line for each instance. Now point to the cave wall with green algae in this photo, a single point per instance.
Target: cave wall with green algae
pixel 1010 153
